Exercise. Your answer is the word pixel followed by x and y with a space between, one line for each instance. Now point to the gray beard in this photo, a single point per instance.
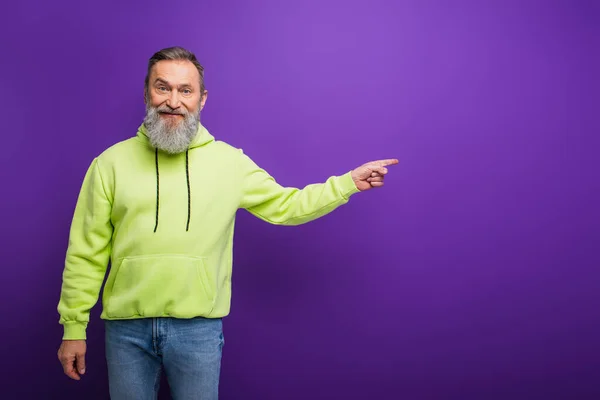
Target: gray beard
pixel 172 138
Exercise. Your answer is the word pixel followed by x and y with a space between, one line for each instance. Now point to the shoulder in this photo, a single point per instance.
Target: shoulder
pixel 227 149
pixel 120 149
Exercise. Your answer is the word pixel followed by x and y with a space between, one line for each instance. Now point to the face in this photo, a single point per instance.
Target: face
pixel 173 104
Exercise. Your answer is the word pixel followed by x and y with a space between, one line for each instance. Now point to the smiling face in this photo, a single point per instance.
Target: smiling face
pixel 174 100
pixel 174 85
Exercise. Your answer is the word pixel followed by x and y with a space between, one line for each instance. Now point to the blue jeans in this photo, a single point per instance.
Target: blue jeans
pixel 189 351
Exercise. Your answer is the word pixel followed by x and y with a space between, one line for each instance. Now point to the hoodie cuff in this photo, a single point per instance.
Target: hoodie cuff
pixel 347 185
pixel 75 331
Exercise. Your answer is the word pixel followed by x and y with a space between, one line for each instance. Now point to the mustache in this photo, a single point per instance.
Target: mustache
pixel 167 110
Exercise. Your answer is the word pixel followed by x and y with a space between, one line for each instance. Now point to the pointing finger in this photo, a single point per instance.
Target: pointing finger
pixel 383 163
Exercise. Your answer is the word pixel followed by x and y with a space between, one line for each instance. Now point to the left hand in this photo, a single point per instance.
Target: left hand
pixel 371 174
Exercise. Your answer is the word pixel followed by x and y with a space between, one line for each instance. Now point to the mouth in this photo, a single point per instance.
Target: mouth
pixel 171 116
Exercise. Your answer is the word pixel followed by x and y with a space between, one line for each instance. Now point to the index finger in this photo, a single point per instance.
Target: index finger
pixel 383 163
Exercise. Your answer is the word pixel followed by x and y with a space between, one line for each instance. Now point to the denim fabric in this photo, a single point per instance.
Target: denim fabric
pixel 188 350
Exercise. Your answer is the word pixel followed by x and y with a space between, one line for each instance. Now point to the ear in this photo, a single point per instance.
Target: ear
pixel 203 99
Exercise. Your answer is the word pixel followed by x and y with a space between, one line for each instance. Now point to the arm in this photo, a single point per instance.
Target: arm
pixel 264 198
pixel 87 255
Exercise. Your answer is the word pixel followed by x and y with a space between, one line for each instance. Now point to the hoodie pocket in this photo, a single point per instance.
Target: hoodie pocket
pixel 161 285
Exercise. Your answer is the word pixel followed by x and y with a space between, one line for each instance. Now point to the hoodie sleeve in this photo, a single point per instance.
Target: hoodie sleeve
pixel 87 255
pixel 263 197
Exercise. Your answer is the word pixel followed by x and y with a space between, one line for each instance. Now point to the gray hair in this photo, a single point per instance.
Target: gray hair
pixel 174 53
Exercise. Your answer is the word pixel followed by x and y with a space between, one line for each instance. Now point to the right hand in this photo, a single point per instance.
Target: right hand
pixel 72 357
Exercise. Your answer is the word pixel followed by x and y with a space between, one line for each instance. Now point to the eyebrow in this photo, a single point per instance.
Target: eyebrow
pixel 160 80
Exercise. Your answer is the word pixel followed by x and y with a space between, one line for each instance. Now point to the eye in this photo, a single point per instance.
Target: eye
pixel 187 91
pixel 162 89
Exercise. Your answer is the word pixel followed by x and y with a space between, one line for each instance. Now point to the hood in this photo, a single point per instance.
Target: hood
pixel 202 137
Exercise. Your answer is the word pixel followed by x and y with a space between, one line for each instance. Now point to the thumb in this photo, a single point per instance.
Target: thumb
pixel 378 169
pixel 371 169
pixel 81 363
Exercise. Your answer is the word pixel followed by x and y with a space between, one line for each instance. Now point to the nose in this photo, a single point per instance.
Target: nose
pixel 173 101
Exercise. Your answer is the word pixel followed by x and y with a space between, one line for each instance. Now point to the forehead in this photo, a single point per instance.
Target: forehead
pixel 175 72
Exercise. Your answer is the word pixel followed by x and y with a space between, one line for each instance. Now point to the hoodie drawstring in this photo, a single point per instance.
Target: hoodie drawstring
pixel 157 186
pixel 187 177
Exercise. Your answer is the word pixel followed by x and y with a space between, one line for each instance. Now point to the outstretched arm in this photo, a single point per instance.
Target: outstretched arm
pixel 266 199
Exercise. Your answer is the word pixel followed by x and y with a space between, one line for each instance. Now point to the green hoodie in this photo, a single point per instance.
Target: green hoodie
pixel 165 223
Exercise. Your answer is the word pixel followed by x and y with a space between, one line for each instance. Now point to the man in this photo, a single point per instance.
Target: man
pixel 160 207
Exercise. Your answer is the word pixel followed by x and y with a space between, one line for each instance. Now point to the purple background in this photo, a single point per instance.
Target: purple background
pixel 473 274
